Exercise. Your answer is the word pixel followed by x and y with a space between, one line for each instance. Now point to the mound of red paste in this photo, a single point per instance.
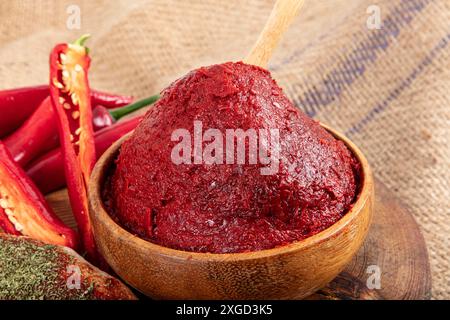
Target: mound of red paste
pixel 232 207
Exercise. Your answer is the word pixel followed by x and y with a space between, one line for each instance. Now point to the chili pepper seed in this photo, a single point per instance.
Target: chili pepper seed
pixel 57 84
pixel 75 115
pixel 74 98
pixel 3 203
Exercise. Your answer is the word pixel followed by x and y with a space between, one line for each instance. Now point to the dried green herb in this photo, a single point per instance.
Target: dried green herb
pixel 33 271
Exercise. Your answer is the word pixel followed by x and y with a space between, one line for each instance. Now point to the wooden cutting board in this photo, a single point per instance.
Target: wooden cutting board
pixel 394 249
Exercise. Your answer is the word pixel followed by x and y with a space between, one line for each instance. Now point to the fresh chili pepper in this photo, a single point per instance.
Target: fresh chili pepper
pixel 39 134
pixel 48 170
pixel 16 105
pixel 104 117
pixel 23 209
pixel 101 118
pixel 70 92
pixel 109 100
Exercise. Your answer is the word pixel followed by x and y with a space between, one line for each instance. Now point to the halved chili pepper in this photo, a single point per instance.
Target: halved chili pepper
pixel 23 209
pixel 48 170
pixel 16 105
pixel 69 91
pixel 39 133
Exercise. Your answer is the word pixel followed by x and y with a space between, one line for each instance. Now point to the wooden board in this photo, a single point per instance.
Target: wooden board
pixel 394 245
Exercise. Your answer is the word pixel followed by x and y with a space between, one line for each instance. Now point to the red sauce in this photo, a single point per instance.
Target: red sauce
pixel 230 207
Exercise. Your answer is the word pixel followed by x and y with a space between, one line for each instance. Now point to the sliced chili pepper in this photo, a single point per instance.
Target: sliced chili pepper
pixel 23 209
pixel 69 91
pixel 48 170
pixel 16 105
pixel 39 134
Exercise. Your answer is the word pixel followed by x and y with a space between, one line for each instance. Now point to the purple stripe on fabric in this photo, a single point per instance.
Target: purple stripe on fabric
pixel 380 107
pixel 355 64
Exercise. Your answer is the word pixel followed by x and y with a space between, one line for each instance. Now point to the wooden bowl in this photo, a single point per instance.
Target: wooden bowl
pixel 293 271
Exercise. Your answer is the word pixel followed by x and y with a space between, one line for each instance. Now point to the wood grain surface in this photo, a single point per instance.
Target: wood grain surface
pixel 394 244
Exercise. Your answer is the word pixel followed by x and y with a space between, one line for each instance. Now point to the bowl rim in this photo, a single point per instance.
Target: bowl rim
pixel 97 181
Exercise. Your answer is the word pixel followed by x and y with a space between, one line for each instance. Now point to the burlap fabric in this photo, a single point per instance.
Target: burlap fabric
pixel 388 89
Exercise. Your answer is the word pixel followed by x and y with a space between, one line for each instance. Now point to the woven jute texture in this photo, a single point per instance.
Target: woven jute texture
pixel 388 89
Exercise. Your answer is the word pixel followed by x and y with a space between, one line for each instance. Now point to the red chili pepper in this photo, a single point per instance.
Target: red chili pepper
pixel 16 105
pixel 39 133
pixel 104 117
pixel 23 209
pixel 48 170
pixel 109 100
pixel 70 94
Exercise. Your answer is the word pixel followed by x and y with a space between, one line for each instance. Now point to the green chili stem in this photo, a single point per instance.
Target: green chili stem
pixel 80 41
pixel 118 113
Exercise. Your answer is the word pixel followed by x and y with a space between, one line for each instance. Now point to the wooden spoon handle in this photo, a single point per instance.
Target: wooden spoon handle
pixel 283 13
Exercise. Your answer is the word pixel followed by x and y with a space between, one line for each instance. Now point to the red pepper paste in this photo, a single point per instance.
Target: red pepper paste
pixel 225 208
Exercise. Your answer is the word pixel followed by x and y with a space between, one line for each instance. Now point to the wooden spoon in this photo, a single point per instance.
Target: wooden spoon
pixel 282 15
